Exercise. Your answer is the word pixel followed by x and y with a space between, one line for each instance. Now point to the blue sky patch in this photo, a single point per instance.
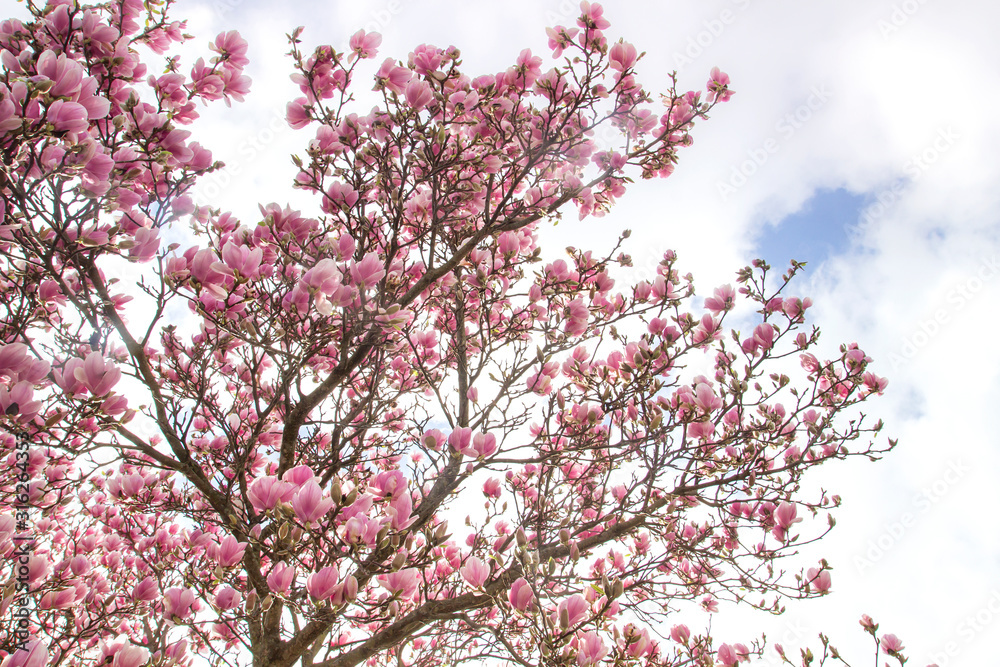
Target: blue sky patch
pixel 813 233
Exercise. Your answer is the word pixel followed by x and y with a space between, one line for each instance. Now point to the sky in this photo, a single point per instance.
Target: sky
pixel 849 144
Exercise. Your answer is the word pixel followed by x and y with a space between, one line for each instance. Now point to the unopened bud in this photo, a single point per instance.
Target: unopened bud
pixel 335 492
pixel 398 561
pixel 283 530
pixel 266 604
pixel 564 618
pixel 617 588
pixel 522 539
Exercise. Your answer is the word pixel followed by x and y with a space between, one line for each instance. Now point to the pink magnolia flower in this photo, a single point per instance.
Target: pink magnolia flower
pixel 389 483
pixel 310 504
pixel 68 116
pixel 577 314
pixel 322 585
pixel 364 45
pixel 680 634
pixel 266 492
pixel 299 475
pixel 232 50
pixel 360 530
pixel 763 335
pixel 891 644
pixel 818 579
pixel 460 439
pixel 346 591
pixel 483 445
pixel 242 260
pixel 146 590
pixel 727 655
pixel 35 655
pixel 18 401
pixel 590 649
pixel 368 271
pixel 227 597
pixel 392 77
pixel 722 301
pixel 785 515
pixel 521 596
pixel 296 113
pixel 281 577
pixel 509 244
pixel 98 375
pixel 621 56
pixel 131 656
pixel 400 512
pixel 475 572
pixel 58 599
pixel 573 610
pixel 491 488
pixel 402 583
pixel 809 362
pixel 637 641
pixel 418 94
pixel 230 551
pixel 177 603
pixel 718 85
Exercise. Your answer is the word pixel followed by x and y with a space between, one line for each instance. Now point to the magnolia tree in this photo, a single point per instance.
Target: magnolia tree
pixel 262 451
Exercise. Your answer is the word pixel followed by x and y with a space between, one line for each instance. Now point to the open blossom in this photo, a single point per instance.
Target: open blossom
pixel 475 571
pixel 232 50
pixel 131 656
pixel 622 56
pixel 230 551
pixel 33 655
pixel 722 300
pixel 784 517
pixel 521 596
pixel 572 610
pixel 590 649
pixel 491 488
pixel 281 577
pixel 310 504
pixel 402 583
pixel 718 85
pixel 322 585
pixel 97 375
pixel 891 644
pixel 364 45
pixel 418 94
pixel 818 579
pixel 227 597
pixel 577 314
pixel 177 603
pixel 266 492
pixel 392 77
pixel 726 655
